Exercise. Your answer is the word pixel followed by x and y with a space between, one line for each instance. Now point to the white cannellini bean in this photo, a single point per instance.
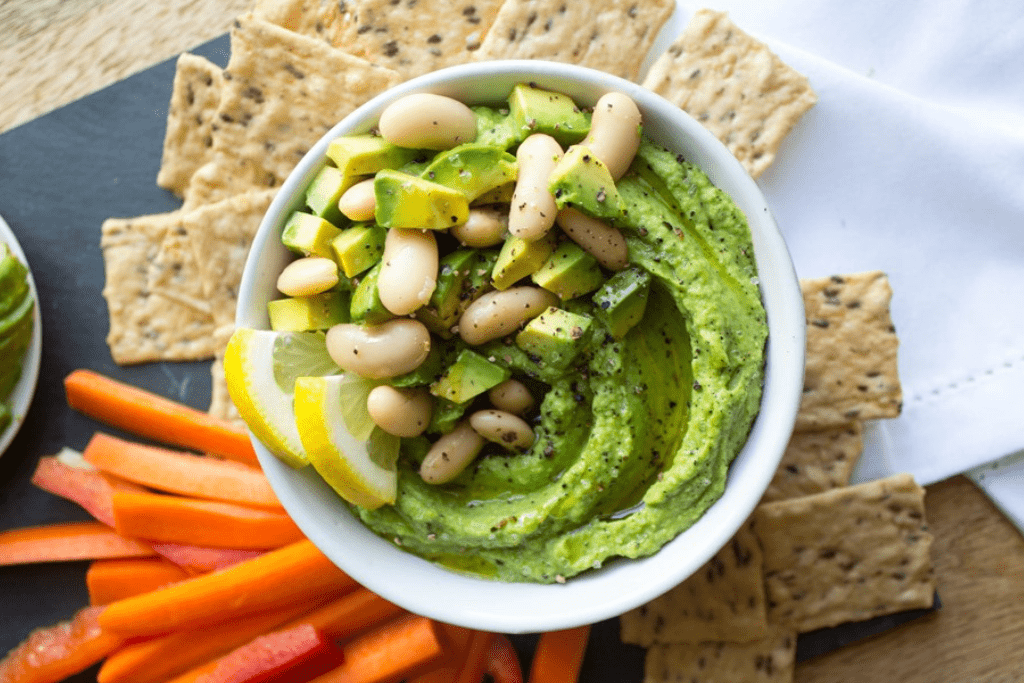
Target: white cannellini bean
pixel 427 121
pixel 399 411
pixel 379 351
pixel 358 202
pixel 614 133
pixel 498 313
pixel 308 276
pixel 533 209
pixel 485 227
pixel 451 454
pixel 599 239
pixel 502 428
pixel 512 396
pixel 408 274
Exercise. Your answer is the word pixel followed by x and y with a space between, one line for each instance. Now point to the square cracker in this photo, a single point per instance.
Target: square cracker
pixel 147 326
pixel 415 37
pixel 851 371
pixel 848 554
pixel 608 35
pixel 314 18
pixel 221 405
pixel 188 141
pixel 817 461
pixel 282 91
pixel 723 600
pixel 770 659
pixel 734 85
pixel 220 235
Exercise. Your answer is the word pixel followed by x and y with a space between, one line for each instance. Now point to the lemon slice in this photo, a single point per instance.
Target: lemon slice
pixel 362 471
pixel 260 367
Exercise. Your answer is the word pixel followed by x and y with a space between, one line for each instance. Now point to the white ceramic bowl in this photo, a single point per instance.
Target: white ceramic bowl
pixel 21 397
pixel 620 585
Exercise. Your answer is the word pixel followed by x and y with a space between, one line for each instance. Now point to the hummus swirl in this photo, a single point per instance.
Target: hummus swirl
pixel 634 442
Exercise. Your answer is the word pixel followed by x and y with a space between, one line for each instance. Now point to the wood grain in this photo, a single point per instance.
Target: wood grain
pixel 55 51
pixel 976 636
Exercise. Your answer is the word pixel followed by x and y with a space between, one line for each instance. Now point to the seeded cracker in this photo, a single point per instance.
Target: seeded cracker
pixel 608 35
pixel 415 37
pixel 851 371
pixel 174 272
pixel 314 18
pixel 846 555
pixel 220 235
pixel 188 142
pixel 734 85
pixel 817 461
pixel 723 600
pixel 221 405
pixel 768 660
pixel 144 325
pixel 282 92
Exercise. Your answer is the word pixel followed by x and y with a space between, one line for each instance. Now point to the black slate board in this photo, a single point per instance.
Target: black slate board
pixel 61 176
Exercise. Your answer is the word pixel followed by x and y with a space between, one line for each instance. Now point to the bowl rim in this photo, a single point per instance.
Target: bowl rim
pixel 621 584
pixel 23 393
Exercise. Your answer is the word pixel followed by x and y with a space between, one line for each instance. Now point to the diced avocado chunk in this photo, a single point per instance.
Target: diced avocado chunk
pixel 309 235
pixel 556 337
pixel 621 301
pixel 499 195
pixel 520 258
pixel 582 181
pixel 308 313
pixel 405 201
pixel 569 272
pixel 358 248
pixel 427 372
pixel 472 169
pixel 15 341
pixel 473 280
pixel 323 193
pixel 366 305
pixel 535 110
pixel 495 127
pixel 442 312
pixel 470 375
pixel 360 155
pixel 446 416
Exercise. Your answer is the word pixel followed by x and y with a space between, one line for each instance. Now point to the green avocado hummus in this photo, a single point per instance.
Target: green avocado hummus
pixel 634 438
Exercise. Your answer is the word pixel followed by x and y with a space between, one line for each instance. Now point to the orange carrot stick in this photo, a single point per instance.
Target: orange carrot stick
pixel 176 519
pixel 154 417
pixel 89 488
pixel 559 655
pixel 338 620
pixel 456 640
pixel 67 541
pixel 183 473
pixel 94 491
pixel 389 653
pixel 350 614
pixel 158 659
pixel 111 580
pixel 54 653
pixel 293 574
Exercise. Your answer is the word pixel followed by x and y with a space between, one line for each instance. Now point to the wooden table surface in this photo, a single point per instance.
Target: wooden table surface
pixel 56 51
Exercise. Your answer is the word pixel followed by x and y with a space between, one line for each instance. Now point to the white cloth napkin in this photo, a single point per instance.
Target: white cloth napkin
pixel 912 162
